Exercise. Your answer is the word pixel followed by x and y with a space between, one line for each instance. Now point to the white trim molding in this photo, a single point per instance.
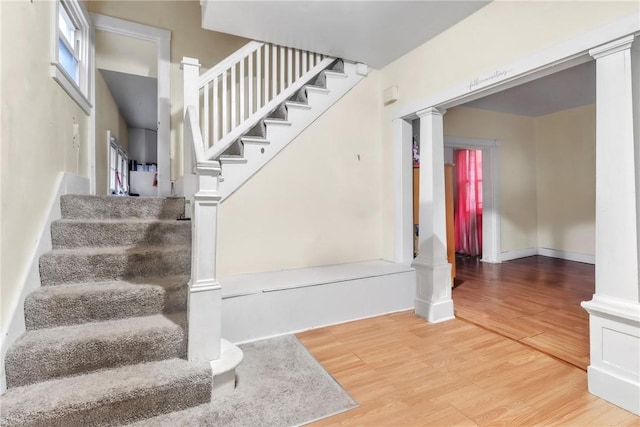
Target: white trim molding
pixel 548 252
pixel 567 255
pixel 162 39
pixel 518 253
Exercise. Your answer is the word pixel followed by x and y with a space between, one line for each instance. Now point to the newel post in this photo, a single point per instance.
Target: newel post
pixel 191 75
pixel 205 293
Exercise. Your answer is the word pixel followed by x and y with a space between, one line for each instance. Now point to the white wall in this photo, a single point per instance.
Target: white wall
pixel 566 180
pixel 318 202
pixel 37 137
pixel 495 36
pixel 188 38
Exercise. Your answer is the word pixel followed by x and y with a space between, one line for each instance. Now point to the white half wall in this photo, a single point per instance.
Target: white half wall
pixel 256 306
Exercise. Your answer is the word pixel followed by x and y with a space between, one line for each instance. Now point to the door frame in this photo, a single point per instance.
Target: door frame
pixel 491 234
pixel 162 40
pixel 574 51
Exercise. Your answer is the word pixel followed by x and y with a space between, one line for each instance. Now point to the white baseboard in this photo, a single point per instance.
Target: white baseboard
pixel 520 253
pixel 569 256
pixel 311 298
pixel 66 184
pixel 552 253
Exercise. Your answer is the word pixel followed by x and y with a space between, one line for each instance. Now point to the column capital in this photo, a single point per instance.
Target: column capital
pixel 612 47
pixel 431 111
pixel 186 61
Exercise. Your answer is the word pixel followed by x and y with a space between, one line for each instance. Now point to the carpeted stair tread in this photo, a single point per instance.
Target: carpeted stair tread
pixel 72 233
pixel 43 354
pixel 69 304
pixel 102 207
pixel 109 397
pixel 113 263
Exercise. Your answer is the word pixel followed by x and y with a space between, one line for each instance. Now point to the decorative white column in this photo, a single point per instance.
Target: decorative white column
pixel 205 293
pixel 433 294
pixel 614 311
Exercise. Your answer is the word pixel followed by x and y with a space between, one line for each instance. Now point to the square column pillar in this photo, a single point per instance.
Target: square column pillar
pixel 614 311
pixel 433 294
pixel 204 305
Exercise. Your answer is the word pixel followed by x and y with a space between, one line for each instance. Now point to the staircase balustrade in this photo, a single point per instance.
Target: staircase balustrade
pixel 220 106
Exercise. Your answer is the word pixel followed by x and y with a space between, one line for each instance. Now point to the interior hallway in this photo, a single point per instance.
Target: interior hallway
pixel 535 300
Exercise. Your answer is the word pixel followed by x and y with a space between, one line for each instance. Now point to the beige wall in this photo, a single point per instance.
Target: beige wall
pixel 188 38
pixel 498 34
pixel 517 188
pixel 566 180
pixel 317 202
pixel 37 137
pixel 126 54
pixel 108 118
pixel 547 170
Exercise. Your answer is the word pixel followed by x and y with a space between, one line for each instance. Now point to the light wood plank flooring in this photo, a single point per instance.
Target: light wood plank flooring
pixel 534 300
pixel 404 371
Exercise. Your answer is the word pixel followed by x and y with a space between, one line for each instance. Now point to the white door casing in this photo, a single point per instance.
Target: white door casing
pixel 162 40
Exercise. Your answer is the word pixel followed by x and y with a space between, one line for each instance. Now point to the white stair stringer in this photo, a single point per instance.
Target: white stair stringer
pixel 259 151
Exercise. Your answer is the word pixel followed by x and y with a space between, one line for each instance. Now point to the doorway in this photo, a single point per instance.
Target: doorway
pixel 153 44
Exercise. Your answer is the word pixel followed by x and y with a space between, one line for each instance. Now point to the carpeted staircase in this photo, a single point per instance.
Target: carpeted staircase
pixel 106 340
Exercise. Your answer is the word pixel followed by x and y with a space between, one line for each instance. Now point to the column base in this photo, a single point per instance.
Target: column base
pixel 614 371
pixel 433 291
pixel 224 369
pixel 204 314
pixel 434 312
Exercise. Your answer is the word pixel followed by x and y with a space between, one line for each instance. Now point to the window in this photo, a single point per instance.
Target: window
pixel 70 65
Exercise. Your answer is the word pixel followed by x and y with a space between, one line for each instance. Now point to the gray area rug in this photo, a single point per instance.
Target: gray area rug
pixel 279 383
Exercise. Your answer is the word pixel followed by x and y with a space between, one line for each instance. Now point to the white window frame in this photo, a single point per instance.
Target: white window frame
pixel 78 16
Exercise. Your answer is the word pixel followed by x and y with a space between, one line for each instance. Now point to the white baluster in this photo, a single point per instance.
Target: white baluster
pixel 282 68
pixel 234 98
pixel 274 78
pixel 215 112
pixel 266 73
pixel 250 77
pixel 289 66
pixel 258 80
pixel 242 83
pixel 205 115
pixel 296 53
pixel 225 104
pixel 305 65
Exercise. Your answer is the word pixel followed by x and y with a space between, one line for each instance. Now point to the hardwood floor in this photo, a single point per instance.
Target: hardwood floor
pixel 404 371
pixel 534 300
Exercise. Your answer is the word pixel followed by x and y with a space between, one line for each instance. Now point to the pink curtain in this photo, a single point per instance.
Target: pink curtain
pixel 468 209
